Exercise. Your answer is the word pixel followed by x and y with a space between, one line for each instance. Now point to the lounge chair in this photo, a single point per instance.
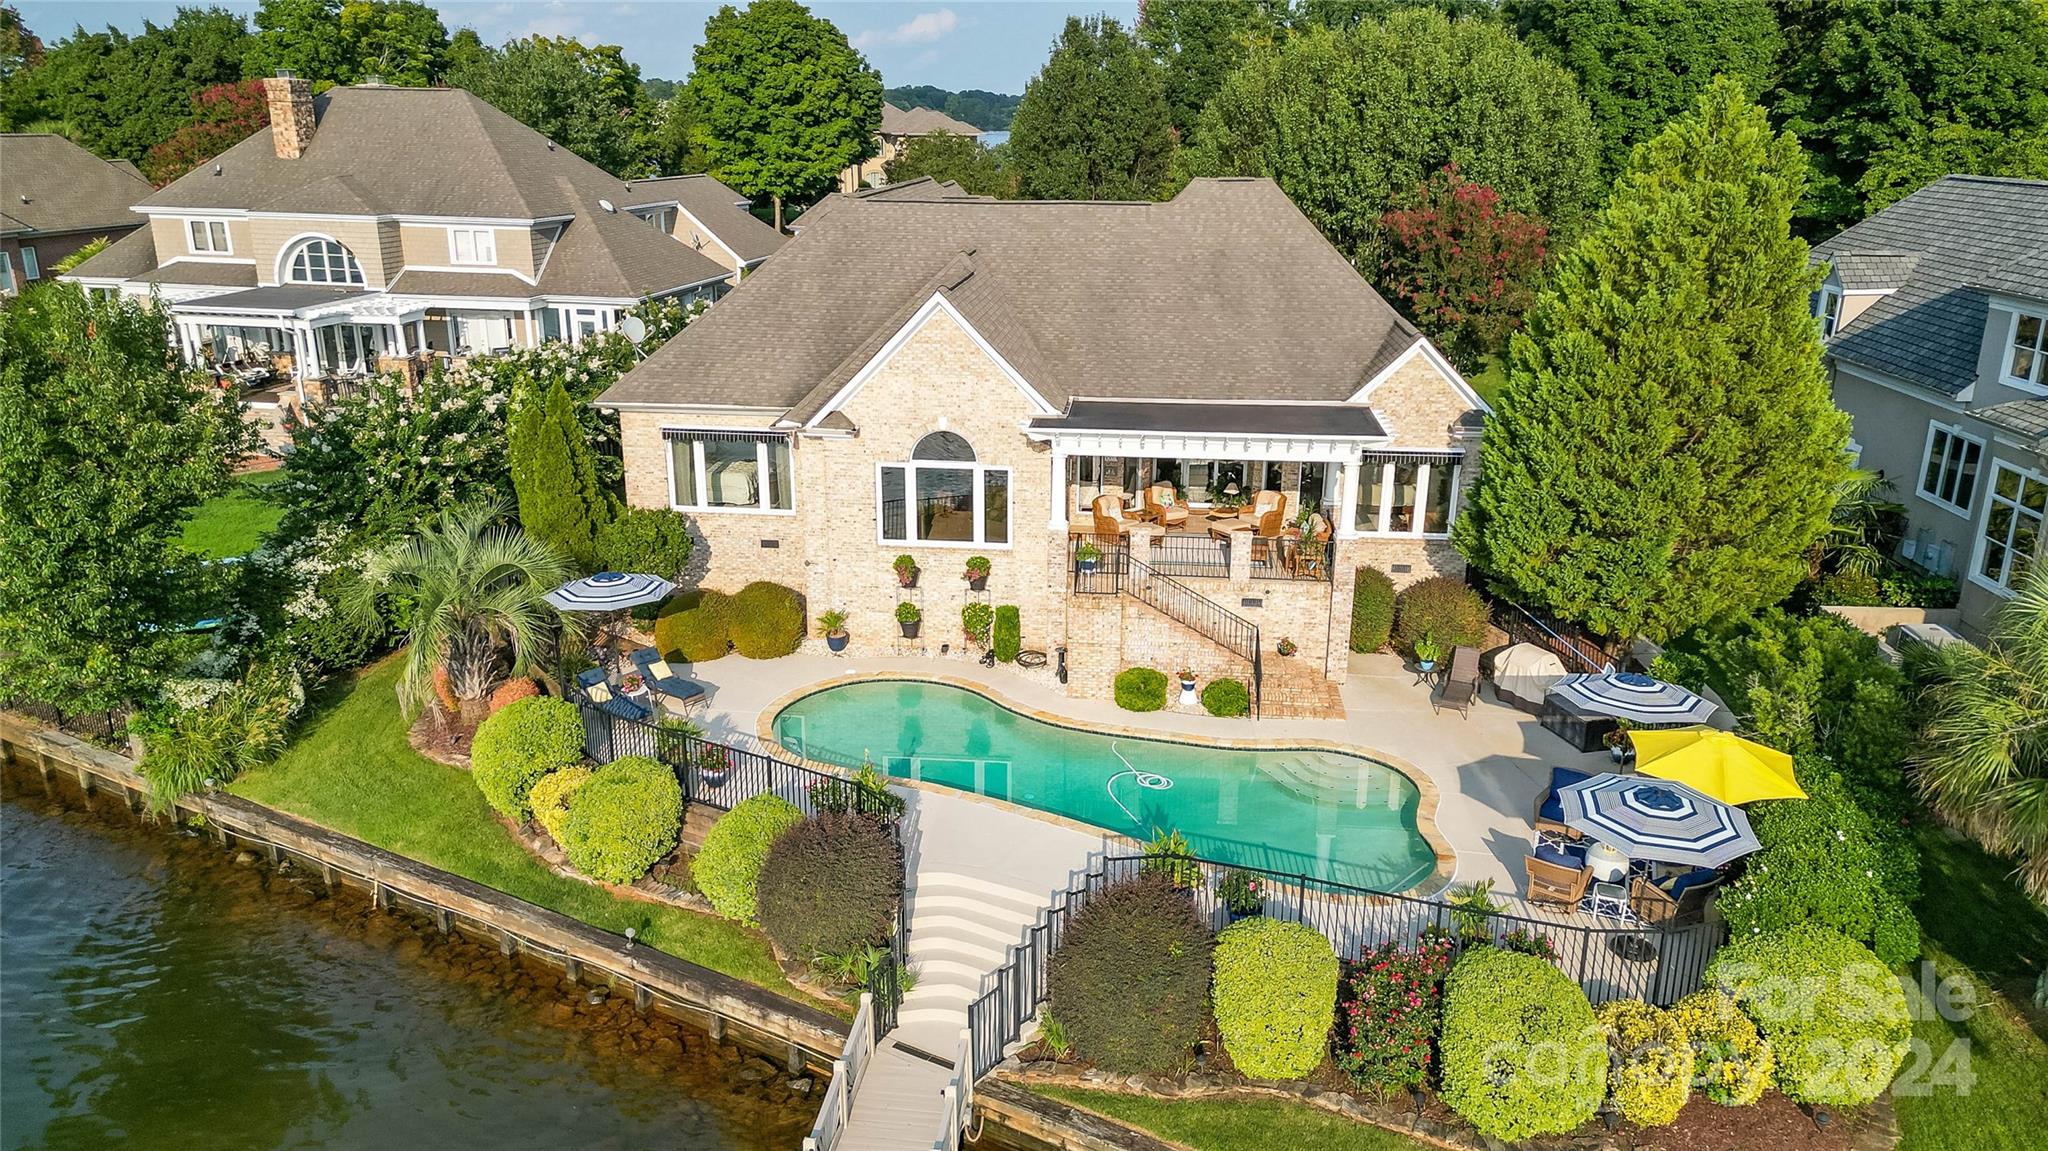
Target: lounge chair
pixel 1462 684
pixel 675 693
pixel 1549 813
pixel 1557 875
pixel 1111 527
pixel 1162 507
pixel 600 695
pixel 1673 900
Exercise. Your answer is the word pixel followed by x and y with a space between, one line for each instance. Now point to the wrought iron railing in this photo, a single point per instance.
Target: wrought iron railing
pixel 1113 569
pixel 1579 651
pixel 1185 555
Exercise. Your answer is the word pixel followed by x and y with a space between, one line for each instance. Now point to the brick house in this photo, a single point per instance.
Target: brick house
pixel 55 198
pixel 899 127
pixel 948 376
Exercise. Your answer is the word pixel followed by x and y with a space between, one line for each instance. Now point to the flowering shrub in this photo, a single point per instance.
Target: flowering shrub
pixel 1732 1062
pixel 1275 990
pixel 1650 1061
pixel 222 116
pixel 1836 1016
pixel 1390 1006
pixel 1461 264
pixel 550 798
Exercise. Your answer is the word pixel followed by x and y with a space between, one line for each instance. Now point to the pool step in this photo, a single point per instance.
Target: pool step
pixel 1322 777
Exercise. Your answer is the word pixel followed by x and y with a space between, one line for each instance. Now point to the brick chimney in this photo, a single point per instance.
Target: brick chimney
pixel 291 114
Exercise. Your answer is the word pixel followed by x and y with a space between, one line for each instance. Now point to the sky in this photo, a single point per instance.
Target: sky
pixel 995 45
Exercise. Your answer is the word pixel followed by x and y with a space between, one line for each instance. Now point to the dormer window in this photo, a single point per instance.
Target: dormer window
pixel 208 237
pixel 1828 308
pixel 2026 359
pixel 472 246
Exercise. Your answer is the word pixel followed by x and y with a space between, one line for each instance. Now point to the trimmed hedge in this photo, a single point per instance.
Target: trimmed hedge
pixel 1649 1064
pixel 1521 1053
pixel 550 798
pixel 1732 1062
pixel 1140 689
pixel 830 886
pixel 1226 697
pixel 1009 633
pixel 1130 980
pixel 623 819
pixel 1835 1016
pixel 524 741
pixel 1440 606
pixel 1372 609
pixel 1275 995
pixel 727 868
pixel 767 620
pixel 694 626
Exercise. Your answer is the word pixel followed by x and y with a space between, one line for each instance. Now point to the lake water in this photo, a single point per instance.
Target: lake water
pixel 153 994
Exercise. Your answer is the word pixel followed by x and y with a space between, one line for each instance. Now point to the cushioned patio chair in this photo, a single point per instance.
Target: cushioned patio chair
pixel 1111 525
pixel 1461 685
pixel 1267 532
pixel 1673 900
pixel 1162 506
pixel 1557 875
pixel 675 693
pixel 1264 501
pixel 1549 813
pixel 600 695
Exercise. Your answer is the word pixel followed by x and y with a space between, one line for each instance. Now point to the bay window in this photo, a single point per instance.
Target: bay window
pixel 943 496
pixel 1407 493
pixel 2012 525
pixel 1948 476
pixel 736 471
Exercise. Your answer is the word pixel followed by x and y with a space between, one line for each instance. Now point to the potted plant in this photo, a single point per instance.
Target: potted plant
pixel 906 570
pixel 1087 555
pixel 1285 646
pixel 1427 652
pixel 631 683
pixel 833 624
pixel 977 573
pixel 712 765
pixel 1241 894
pixel 908 615
pixel 1187 679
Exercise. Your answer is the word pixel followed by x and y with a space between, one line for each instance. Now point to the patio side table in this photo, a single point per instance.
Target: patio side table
pixel 1608 901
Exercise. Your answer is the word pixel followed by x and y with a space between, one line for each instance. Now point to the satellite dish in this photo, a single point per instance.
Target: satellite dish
pixel 634 328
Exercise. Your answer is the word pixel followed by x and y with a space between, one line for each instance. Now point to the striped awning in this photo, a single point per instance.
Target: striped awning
pixel 610 591
pixel 1657 819
pixel 1630 696
pixel 740 434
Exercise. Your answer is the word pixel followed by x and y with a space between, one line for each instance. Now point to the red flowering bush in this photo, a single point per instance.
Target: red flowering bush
pixel 1389 1009
pixel 222 116
pixel 1461 264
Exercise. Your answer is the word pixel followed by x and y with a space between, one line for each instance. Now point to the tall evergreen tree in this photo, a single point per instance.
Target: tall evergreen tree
pixel 1094 122
pixel 560 503
pixel 1198 43
pixel 1665 450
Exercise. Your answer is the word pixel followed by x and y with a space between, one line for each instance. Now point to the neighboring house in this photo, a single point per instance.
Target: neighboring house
pixel 55 198
pixel 374 227
pixel 712 219
pixel 1935 312
pixel 899 127
pixel 950 376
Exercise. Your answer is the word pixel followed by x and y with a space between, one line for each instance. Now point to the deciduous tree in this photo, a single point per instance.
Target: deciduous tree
pixel 222 116
pixel 960 158
pixel 583 98
pixel 1665 450
pixel 1094 124
pixel 349 41
pixel 1198 43
pixel 1461 265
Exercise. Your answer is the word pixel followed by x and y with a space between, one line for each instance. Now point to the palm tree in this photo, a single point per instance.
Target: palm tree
pixel 1859 533
pixel 1982 756
pixel 476 586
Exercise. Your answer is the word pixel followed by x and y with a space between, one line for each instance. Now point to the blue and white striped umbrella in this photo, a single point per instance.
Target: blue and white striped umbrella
pixel 1631 696
pixel 1646 818
pixel 610 591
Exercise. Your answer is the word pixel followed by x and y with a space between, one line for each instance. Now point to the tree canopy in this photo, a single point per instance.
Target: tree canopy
pixel 988 111
pixel 783 102
pixel 119 95
pixel 1665 450
pixel 943 157
pixel 349 41
pixel 581 97
pixel 1346 121
pixel 1094 121
pixel 1198 43
pixel 222 116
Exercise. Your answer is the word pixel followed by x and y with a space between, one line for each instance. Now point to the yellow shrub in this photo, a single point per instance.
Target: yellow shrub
pixel 1732 1061
pixel 550 798
pixel 1651 1061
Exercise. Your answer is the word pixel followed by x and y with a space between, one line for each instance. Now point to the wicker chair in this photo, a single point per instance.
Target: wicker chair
pixel 1653 904
pixel 1163 507
pixel 1111 526
pixel 1553 880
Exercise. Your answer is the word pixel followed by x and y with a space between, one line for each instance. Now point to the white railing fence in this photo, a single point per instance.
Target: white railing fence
pixel 959 1095
pixel 846 1074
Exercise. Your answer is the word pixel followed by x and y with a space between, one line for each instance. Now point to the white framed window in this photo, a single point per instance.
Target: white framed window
pixel 6 272
pixel 1407 493
pixel 323 261
pixel 472 246
pixel 208 238
pixel 1948 472
pixel 31 267
pixel 1827 308
pixel 711 471
pixel 942 497
pixel 2012 527
pixel 2026 353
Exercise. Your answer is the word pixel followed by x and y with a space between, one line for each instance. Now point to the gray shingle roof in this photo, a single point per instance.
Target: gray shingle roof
pixel 49 184
pixel 1964 231
pixel 1225 292
pixel 203 273
pixel 124 259
pixel 2027 417
pixel 922 122
pixel 719 209
pixel 1874 271
pixel 2025 276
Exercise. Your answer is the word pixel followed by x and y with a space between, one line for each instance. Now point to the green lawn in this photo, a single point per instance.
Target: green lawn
pixel 231 524
pixel 1978 924
pixel 352 770
pixel 1245 1124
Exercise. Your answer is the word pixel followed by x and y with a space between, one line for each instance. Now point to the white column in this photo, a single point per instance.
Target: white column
pixel 1347 497
pixel 398 338
pixel 1058 520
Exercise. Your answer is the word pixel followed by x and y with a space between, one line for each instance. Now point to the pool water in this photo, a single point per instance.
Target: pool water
pixel 1319 813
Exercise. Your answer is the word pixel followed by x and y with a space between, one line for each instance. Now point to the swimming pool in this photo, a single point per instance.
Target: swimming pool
pixel 1315 812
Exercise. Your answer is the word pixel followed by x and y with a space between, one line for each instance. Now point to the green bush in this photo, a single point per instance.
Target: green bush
pixel 1130 981
pixel 1226 697
pixel 623 819
pixel 1522 1055
pixel 1443 608
pixel 1848 589
pixel 727 868
pixel 247 725
pixel 767 620
pixel 524 741
pixel 1140 689
pixel 1275 996
pixel 1009 633
pixel 830 886
pixel 975 620
pixel 651 540
pixel 550 798
pixel 694 626
pixel 1372 609
pixel 1650 1061
pixel 1835 1016
pixel 1732 1064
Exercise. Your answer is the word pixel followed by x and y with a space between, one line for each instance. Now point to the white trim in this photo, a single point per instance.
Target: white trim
pixel 31 263
pixel 154 210
pixel 1828 327
pixel 245 261
pixel 475 235
pixel 980 513
pixel 1428 352
pixel 1955 431
pixel 289 248
pixel 227 235
pixel 698 477
pixel 1357 485
pixel 2012 334
pixel 937 303
pixel 1991 496
pixel 1198 445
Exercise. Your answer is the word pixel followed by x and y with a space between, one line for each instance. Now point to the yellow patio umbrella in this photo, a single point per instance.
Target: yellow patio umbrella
pixel 1720 763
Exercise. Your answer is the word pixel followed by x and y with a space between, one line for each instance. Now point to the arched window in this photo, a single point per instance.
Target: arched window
pixel 944 446
pixel 323 261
